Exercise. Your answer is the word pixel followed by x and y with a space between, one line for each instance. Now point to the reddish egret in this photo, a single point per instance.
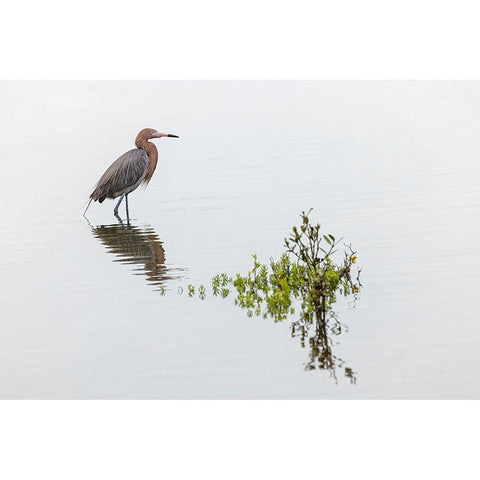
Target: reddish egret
pixel 129 171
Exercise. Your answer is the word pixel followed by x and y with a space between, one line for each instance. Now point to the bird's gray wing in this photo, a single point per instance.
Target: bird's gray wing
pixel 122 176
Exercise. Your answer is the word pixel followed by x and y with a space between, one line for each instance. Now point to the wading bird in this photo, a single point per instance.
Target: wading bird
pixel 129 171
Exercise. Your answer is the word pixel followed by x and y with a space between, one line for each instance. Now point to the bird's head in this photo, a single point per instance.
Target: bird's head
pixel 149 133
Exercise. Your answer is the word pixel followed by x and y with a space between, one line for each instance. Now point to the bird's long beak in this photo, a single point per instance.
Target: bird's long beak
pixel 160 134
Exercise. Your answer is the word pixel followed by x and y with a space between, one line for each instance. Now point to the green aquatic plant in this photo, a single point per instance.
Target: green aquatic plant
pixel 305 273
pixel 321 279
pixel 220 284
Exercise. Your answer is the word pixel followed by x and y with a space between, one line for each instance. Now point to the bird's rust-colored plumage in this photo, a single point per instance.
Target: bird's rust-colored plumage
pixel 130 170
pixel 142 143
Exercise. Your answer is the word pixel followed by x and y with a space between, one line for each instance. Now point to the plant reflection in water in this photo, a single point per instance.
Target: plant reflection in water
pixel 306 278
pixel 140 246
pixel 321 344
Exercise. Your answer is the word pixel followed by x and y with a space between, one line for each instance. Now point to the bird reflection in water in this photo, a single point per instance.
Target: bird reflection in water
pixel 140 246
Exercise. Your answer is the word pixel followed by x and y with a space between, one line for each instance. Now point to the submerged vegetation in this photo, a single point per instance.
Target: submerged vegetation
pixel 305 278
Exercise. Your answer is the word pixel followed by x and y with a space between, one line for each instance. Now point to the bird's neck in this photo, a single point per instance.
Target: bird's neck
pixel 152 153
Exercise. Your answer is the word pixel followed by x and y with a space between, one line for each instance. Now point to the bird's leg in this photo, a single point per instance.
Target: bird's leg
pixel 126 205
pixel 87 207
pixel 115 210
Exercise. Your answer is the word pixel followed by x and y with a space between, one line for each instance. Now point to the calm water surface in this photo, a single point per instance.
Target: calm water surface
pixel 390 166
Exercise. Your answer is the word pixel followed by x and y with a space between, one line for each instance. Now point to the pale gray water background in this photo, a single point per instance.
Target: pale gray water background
pixel 390 166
